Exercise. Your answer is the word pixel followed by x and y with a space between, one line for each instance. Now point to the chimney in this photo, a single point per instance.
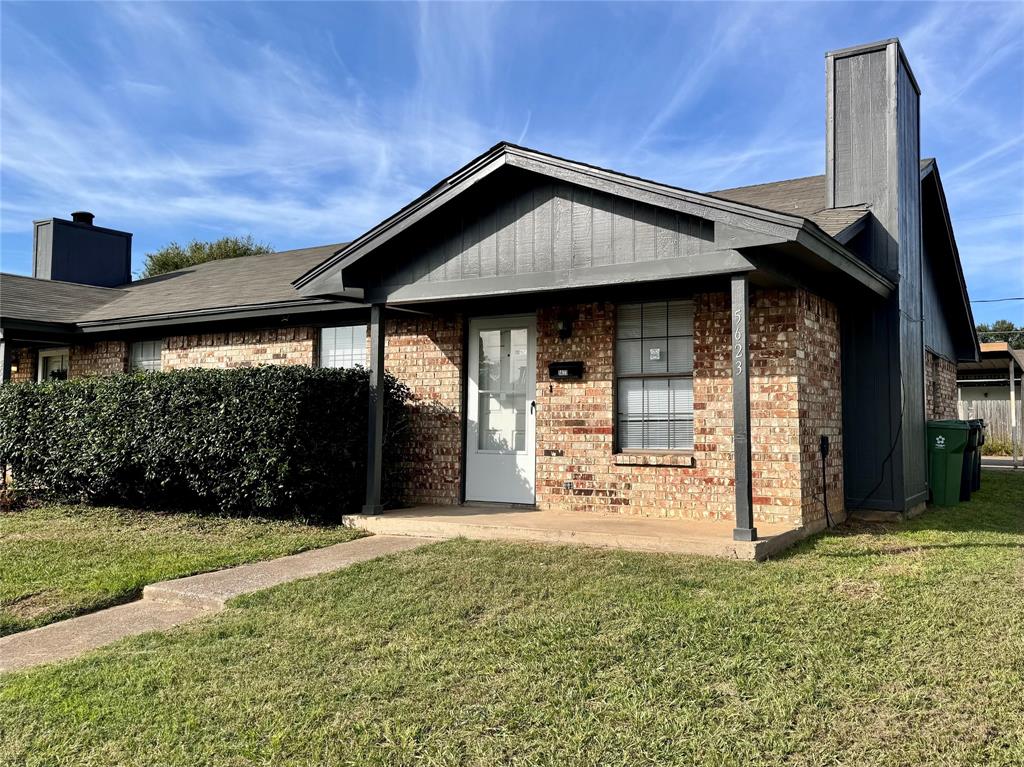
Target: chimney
pixel 872 147
pixel 78 251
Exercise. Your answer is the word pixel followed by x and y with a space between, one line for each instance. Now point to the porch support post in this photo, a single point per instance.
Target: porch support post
pixel 5 362
pixel 744 530
pixel 1013 411
pixel 375 421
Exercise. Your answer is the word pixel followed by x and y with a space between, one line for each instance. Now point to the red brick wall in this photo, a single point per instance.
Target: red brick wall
pixel 26 359
pixel 795 396
pixel 940 388
pixel 248 348
pixel 426 353
pixel 820 403
pixel 99 358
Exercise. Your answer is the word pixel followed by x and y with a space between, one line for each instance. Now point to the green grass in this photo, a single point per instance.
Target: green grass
pixel 898 645
pixel 61 561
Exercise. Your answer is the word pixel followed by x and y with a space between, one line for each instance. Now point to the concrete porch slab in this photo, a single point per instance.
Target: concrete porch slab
pixel 674 536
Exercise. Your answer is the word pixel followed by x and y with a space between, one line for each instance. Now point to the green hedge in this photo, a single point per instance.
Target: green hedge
pixel 282 440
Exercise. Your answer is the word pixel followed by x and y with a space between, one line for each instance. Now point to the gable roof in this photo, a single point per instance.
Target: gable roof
pixel 35 300
pixel 765 224
pixel 232 283
pixel 247 286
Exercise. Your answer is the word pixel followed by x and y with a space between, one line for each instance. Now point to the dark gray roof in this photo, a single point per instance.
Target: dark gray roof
pixel 235 282
pixel 801 197
pixel 33 300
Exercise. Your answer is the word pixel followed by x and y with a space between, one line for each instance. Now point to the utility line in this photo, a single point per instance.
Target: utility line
pixel 995 300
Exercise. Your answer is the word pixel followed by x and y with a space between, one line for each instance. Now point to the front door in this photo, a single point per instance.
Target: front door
pixel 500 423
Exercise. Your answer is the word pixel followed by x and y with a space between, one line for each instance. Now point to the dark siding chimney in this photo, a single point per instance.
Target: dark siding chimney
pixel 872 156
pixel 77 251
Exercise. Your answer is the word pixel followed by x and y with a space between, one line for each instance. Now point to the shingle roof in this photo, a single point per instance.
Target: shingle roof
pixel 35 300
pixel 235 282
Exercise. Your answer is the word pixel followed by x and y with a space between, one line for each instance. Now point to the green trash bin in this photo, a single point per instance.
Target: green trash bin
pixel 946 443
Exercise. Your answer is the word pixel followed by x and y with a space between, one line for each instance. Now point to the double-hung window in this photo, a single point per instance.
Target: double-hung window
pixel 654 376
pixel 145 356
pixel 343 347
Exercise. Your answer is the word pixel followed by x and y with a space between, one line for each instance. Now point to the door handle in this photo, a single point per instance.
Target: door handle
pixel 533 407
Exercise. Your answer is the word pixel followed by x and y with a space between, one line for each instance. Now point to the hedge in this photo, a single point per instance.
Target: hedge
pixel 278 440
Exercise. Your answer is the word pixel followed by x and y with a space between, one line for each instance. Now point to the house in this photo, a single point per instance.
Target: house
pixel 585 340
pixel 990 388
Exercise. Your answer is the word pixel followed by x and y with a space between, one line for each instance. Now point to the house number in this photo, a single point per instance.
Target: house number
pixel 738 343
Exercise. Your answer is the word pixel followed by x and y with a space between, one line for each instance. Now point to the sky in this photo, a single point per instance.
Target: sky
pixel 307 123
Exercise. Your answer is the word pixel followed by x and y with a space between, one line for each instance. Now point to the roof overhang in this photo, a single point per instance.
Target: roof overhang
pixel 738 227
pixel 967 329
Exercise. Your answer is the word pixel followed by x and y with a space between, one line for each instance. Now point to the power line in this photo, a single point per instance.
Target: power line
pixel 995 300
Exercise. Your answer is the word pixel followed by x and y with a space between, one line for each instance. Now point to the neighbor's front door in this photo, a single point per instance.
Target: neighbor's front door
pixel 500 431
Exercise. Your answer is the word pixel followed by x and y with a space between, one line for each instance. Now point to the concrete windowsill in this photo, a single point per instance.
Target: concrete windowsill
pixel 654 458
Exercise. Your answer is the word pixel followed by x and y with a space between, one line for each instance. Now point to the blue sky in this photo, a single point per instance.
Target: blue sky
pixel 306 124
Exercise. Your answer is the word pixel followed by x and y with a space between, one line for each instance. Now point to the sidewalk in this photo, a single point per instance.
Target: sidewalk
pixel 171 603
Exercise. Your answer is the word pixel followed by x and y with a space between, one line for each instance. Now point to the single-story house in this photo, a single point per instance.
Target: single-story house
pixel 585 340
pixel 991 389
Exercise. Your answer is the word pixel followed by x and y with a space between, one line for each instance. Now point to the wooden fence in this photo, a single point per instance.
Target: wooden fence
pixel 996 414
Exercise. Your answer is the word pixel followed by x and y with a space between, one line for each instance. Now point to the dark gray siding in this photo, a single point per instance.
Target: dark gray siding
pixel 937 335
pixel 75 252
pixel 910 256
pixel 546 227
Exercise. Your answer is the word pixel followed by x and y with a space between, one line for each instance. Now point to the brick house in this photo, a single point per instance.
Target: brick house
pixel 585 340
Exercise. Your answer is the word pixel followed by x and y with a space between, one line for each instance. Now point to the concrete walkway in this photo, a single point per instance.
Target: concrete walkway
pixel 170 603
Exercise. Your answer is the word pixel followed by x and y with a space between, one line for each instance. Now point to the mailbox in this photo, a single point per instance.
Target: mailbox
pixel 565 371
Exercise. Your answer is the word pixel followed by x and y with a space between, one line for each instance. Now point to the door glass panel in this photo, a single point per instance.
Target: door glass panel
pixel 503 371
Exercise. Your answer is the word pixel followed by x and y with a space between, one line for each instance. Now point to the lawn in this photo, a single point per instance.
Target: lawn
pixel 898 645
pixel 60 561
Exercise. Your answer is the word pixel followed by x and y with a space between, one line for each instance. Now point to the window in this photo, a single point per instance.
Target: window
pixel 343 347
pixel 53 364
pixel 654 370
pixel 146 356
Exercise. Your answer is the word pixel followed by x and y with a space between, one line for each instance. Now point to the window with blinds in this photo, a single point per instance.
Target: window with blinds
pixel 654 372
pixel 145 356
pixel 343 347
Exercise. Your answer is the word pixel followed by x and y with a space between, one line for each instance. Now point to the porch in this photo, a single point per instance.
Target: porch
pixel 620 531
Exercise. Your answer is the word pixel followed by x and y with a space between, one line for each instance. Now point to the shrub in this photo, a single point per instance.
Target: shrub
pixel 282 440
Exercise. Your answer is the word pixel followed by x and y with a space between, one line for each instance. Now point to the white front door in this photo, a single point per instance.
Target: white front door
pixel 500 422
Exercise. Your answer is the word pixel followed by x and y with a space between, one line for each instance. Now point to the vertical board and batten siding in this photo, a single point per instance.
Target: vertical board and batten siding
pixel 873 151
pixel 908 157
pixel 550 227
pixel 863 151
pixel 937 334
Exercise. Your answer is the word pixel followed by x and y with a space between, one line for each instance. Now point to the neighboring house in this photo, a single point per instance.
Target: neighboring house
pixel 991 389
pixel 585 340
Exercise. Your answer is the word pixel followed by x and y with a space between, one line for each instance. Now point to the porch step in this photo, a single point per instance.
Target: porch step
pixel 670 536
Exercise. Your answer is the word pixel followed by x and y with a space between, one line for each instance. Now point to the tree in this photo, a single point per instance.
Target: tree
pixel 174 256
pixel 1002 330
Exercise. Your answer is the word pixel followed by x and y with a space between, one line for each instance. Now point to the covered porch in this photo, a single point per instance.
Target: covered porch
pixel 571 267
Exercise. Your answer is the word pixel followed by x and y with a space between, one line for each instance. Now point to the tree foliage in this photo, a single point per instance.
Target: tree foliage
pixel 1002 330
pixel 174 256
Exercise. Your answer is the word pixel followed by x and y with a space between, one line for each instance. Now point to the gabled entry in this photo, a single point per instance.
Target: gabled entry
pixel 501 410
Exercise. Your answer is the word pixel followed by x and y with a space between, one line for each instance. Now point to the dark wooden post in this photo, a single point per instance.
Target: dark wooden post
pixel 375 421
pixel 744 530
pixel 5 362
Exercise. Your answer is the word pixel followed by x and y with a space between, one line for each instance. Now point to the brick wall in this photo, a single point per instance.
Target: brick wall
pixel 795 396
pixel 99 358
pixel 940 388
pixel 820 404
pixel 426 353
pixel 246 348
pixel 25 359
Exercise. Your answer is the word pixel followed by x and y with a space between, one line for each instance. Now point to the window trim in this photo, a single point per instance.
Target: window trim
pixel 59 351
pixel 131 355
pixel 320 343
pixel 650 452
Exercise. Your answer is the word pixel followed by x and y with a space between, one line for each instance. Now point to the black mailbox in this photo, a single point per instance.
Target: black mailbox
pixel 565 371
